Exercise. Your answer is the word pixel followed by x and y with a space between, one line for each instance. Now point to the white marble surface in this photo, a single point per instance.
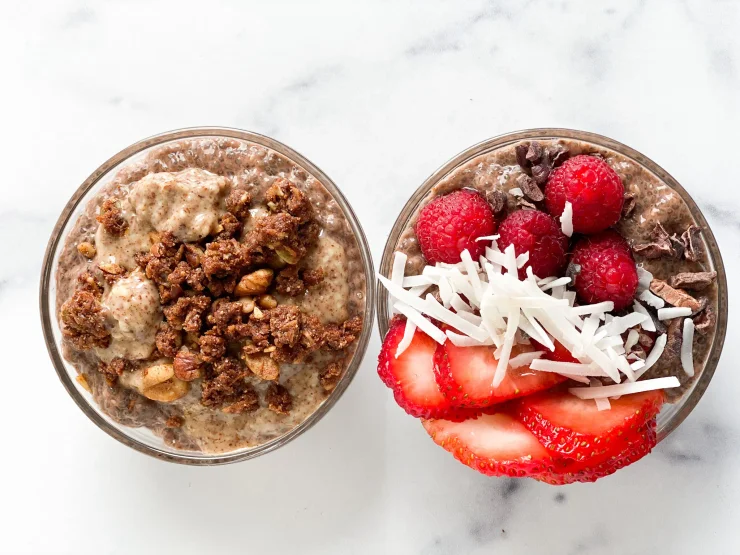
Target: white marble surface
pixel 378 94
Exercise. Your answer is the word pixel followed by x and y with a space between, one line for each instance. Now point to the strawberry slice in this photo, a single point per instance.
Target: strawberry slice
pixel 465 375
pixel 589 470
pixel 575 429
pixel 411 375
pixel 560 354
pixel 493 444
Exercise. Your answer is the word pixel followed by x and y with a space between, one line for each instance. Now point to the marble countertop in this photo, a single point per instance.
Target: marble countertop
pixel 378 94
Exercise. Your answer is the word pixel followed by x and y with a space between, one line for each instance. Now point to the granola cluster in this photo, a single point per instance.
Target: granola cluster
pixel 223 324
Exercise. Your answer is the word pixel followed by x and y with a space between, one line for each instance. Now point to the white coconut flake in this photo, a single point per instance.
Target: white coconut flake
pixel 651 300
pixel 654 355
pixel 556 283
pixel 621 324
pixel 570 368
pixel 465 341
pixel 648 324
pixel 516 192
pixel 488 238
pixel 602 403
pixel 436 310
pixel 687 347
pixel 414 281
pixel 422 323
pixel 580 379
pixel 470 317
pixel 624 388
pixel 522 259
pixel 419 290
pixel 586 309
pixel 399 267
pixel 566 219
pixel 632 338
pixel 525 359
pixel 545 281
pixel 445 292
pixel 503 360
pixel 644 279
pixel 637 365
pixel 458 304
pixel 673 312
pixel 570 296
pixel 408 336
pixel 510 260
pixel 472 271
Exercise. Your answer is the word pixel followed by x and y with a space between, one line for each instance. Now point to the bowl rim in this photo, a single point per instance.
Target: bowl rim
pixel 691 398
pixel 56 240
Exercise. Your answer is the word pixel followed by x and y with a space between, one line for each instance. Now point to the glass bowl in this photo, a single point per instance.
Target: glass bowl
pixel 142 439
pixel 672 414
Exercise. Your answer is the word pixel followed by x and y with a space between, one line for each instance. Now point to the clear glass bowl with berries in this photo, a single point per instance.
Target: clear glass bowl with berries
pixel 552 305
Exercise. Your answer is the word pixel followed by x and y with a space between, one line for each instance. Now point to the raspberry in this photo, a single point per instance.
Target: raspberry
pixel 592 187
pixel 450 224
pixel 608 271
pixel 539 234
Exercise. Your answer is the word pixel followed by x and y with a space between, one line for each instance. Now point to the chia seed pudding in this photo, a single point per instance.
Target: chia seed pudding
pixel 211 292
pixel 654 220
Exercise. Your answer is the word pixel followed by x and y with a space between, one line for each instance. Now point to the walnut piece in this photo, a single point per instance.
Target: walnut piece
pixel 255 283
pixel 675 297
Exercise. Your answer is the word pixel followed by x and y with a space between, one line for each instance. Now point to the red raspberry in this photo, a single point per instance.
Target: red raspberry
pixel 540 235
pixel 608 271
pixel 592 187
pixel 450 224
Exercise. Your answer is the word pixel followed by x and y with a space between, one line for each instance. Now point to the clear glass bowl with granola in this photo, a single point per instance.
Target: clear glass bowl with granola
pixel 553 304
pixel 205 295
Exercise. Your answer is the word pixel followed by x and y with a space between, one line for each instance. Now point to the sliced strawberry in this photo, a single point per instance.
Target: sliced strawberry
pixel 560 354
pixel 411 376
pixel 637 445
pixel 465 376
pixel 493 444
pixel 575 429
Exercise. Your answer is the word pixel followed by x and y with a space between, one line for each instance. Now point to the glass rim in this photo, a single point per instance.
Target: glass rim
pixel 691 397
pixel 57 240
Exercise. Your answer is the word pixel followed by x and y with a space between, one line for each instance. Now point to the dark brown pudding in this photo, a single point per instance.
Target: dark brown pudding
pixel 664 236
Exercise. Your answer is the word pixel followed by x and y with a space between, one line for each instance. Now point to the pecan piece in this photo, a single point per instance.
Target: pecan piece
pixel 255 283
pixel 188 365
pixel 263 367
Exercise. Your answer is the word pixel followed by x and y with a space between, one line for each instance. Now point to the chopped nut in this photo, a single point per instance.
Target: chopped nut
pixel 267 301
pixel 695 281
pixel 255 283
pixel 247 304
pixel 87 249
pixel 187 365
pixel 675 297
pixel 257 313
pixel 263 366
pixel 168 391
pixel 156 374
pixel 82 380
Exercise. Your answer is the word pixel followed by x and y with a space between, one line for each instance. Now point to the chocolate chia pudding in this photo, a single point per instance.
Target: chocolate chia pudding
pixel 665 239
pixel 212 292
